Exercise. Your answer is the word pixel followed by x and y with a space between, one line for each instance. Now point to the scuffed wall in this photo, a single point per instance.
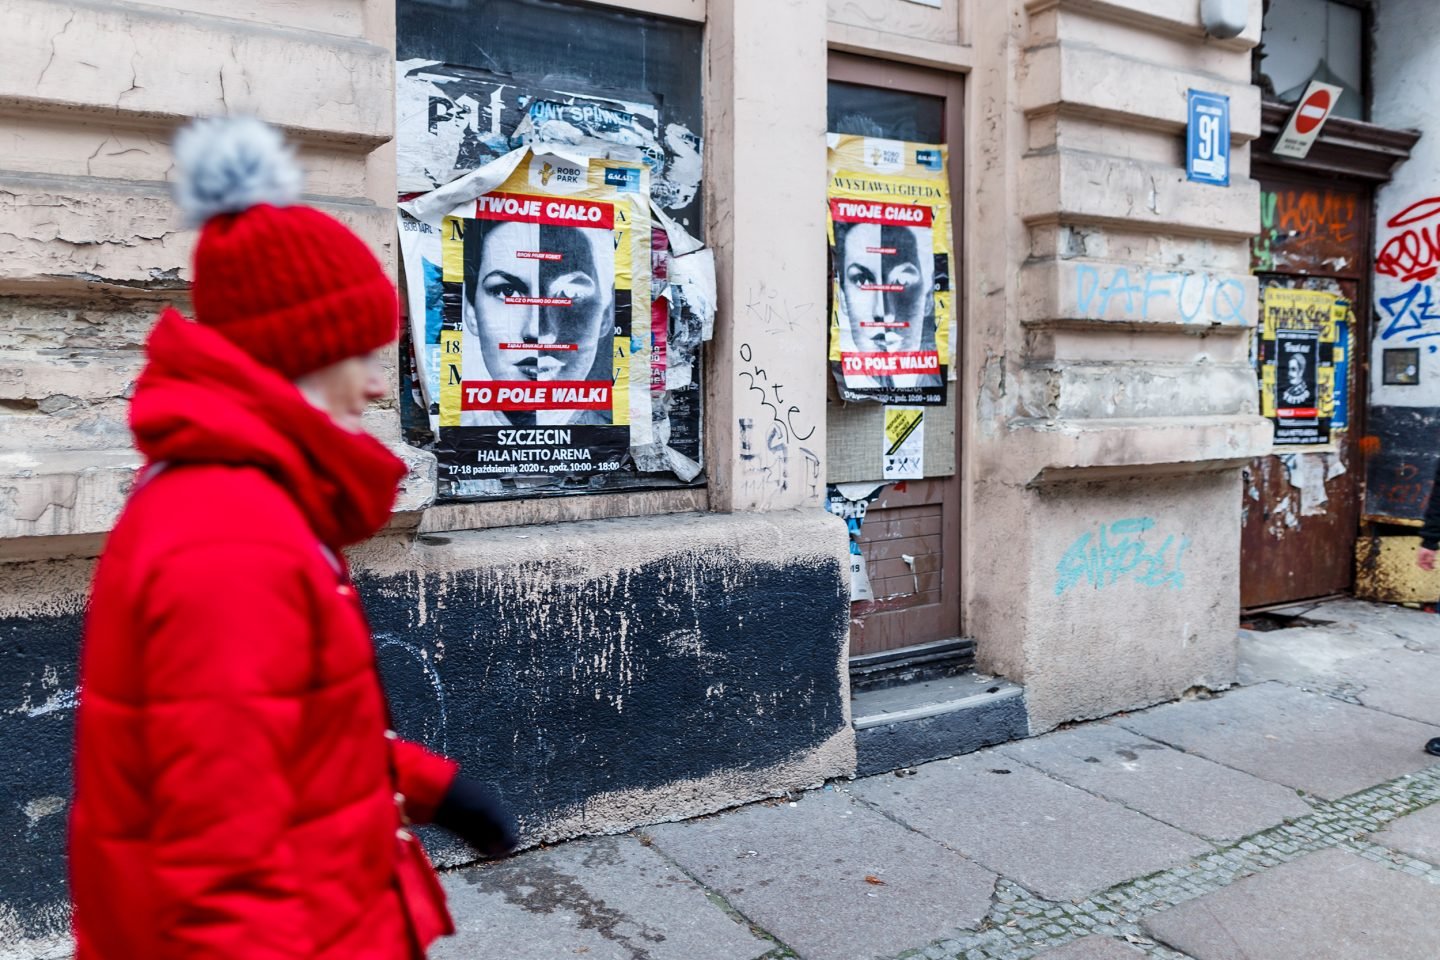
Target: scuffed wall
pixel 613 673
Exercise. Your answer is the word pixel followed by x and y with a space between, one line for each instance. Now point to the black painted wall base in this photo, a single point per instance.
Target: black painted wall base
pixel 985 723
pixel 564 688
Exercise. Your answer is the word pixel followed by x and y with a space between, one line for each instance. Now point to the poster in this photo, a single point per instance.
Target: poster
pixel 904 450
pixel 530 286
pixel 1303 365
pixel 461 132
pixel 850 502
pixel 891 310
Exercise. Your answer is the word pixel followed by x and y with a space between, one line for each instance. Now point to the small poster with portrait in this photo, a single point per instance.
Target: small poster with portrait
pixel 1303 369
pixel 892 289
pixel 544 342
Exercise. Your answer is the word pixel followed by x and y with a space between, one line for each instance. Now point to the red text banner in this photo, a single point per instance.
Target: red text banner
pixel 885 214
pixel 535 395
pixel 560 212
pixel 891 364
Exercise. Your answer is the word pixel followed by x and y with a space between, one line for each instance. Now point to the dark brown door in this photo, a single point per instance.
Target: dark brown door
pixel 910 540
pixel 1301 515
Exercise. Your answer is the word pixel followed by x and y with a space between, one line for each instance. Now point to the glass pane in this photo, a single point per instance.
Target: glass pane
pixel 1308 40
pixel 569 46
pixel 891 114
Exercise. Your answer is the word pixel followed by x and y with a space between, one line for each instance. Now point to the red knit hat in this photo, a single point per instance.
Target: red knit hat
pixel 289 285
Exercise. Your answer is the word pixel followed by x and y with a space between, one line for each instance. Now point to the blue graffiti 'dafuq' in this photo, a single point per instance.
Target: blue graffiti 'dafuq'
pixel 1199 297
pixel 1118 551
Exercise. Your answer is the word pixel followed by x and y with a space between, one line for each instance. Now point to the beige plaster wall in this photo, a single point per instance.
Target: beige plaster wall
pixel 91 247
pixel 1091 406
pixel 1134 592
pixel 1075 112
pixel 765 157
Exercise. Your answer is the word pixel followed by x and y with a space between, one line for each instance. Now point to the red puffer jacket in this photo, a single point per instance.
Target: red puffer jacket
pixel 237 794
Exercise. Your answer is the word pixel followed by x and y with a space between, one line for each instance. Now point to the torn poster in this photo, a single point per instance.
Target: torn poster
pixel 451 120
pixel 1304 385
pixel 545 300
pixel 904 443
pixel 544 328
pixel 850 501
pixel 890 243
pixel 462 133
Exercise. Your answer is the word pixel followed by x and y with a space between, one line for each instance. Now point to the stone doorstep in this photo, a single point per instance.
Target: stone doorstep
pixel 932 719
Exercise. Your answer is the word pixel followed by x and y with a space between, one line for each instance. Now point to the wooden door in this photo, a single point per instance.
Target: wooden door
pixel 1301 514
pixel 910 538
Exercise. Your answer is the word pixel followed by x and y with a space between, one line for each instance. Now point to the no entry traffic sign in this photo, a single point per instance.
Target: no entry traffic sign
pixel 1305 122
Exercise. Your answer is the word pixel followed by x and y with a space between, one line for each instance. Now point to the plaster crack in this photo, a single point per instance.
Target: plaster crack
pixel 54 49
pixel 134 75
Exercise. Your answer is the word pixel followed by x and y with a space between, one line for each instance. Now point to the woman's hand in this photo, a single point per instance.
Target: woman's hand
pixel 476 814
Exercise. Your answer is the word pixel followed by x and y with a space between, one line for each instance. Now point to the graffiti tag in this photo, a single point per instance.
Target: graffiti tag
pixel 1200 297
pixel 1306 225
pixel 1412 313
pixel 1414 252
pixel 1117 551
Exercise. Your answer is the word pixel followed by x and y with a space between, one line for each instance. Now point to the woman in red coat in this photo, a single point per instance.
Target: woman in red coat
pixel 238 792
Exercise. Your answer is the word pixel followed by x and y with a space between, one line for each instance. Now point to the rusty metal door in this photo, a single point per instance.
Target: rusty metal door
pixel 1301 514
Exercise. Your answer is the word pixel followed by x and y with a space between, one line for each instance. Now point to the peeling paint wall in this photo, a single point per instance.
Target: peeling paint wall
pixel 91 247
pixel 616 673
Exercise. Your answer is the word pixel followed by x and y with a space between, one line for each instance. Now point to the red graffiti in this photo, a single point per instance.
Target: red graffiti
pixel 1414 252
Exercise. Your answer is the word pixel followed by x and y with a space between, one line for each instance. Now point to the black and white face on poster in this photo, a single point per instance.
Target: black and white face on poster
pixel 1299 360
pixel 539 302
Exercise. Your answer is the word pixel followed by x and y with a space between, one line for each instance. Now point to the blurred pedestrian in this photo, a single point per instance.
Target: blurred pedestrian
pixel 238 791
pixel 1430 532
pixel 1425 559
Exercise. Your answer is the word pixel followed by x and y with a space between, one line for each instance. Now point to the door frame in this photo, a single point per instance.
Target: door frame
pixel 951 87
pixel 1279 175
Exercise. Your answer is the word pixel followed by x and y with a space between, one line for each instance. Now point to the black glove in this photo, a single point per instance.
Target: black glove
pixel 476 814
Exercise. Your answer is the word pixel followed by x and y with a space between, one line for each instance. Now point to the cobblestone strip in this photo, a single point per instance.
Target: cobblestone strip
pixel 1021 925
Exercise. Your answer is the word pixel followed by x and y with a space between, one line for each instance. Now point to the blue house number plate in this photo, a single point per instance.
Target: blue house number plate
pixel 1207 139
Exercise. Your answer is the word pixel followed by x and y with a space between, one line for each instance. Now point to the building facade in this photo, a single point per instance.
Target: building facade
pixel 663 643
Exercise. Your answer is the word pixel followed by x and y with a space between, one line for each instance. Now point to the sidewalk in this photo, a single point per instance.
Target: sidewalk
pixel 1288 818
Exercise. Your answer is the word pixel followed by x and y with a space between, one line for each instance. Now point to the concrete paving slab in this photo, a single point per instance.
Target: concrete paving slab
pixel 1416 835
pixel 603 899
pixel 831 878
pixel 1345 630
pixel 1048 836
pixel 1304 740
pixel 1181 789
pixel 1414 629
pixel 1093 948
pixel 1401 682
pixel 1332 904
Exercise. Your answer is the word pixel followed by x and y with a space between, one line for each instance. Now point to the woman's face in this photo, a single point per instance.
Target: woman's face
pixel 538 319
pixel 345 389
pixel 885 286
